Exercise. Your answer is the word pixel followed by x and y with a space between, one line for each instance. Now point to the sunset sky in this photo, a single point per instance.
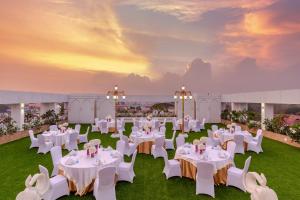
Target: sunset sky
pixel 149 47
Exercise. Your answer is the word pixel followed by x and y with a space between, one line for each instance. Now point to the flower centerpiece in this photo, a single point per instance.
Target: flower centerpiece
pixel 149 117
pixel 96 143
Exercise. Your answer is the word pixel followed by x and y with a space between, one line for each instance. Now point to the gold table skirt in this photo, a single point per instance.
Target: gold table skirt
pixel 224 146
pixel 188 170
pixel 145 147
pixel 111 129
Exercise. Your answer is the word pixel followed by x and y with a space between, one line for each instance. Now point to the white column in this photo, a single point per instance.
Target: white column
pixel 267 112
pixel 17 113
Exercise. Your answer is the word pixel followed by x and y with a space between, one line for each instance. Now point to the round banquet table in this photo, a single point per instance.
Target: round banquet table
pixel 82 174
pixel 110 125
pixel 192 123
pixel 188 161
pixel 57 137
pixel 225 136
pixel 145 141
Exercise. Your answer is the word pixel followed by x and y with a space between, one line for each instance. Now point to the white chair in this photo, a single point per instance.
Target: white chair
pixel 169 143
pixel 239 141
pixel 156 125
pixel 53 128
pixel 186 126
pixel 34 140
pixel 72 143
pixel 134 129
pixel 83 138
pixel 121 125
pixel 172 167
pixel 256 145
pixel 205 179
pixel 104 127
pixel 158 147
pixel 162 130
pixel 175 125
pixel 180 140
pixel 58 185
pixel 214 128
pixel 231 150
pixel 235 176
pixel 197 126
pixel 44 147
pixel 56 155
pixel 120 147
pixel 129 147
pixel 95 126
pixel 77 128
pixel 259 131
pixel 202 126
pixel 211 139
pixel 126 171
pixel 104 186
pixel 238 129
pixel 136 123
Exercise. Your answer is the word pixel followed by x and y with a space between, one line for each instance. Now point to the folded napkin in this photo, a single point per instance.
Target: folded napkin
pixel 71 161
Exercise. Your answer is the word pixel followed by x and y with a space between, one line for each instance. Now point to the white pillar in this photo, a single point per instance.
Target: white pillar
pixel 267 112
pixel 17 113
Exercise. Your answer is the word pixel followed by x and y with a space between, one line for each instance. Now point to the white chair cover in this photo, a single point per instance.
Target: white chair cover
pixel 53 128
pixel 172 167
pixel 104 186
pixel 77 128
pixel 34 141
pixel 83 138
pixel 169 143
pixel 180 140
pixel 56 155
pixel 126 170
pixel 72 143
pixel 239 141
pixel 158 147
pixel 44 146
pixel 205 179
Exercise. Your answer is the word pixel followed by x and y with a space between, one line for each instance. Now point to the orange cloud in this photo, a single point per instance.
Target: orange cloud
pixel 81 35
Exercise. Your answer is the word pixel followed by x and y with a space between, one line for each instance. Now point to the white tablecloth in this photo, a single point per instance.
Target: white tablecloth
pixel 225 135
pixel 110 124
pixel 213 156
pixel 141 136
pixel 57 137
pixel 85 171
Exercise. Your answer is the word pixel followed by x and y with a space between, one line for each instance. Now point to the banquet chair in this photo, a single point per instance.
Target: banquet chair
pixel 58 185
pixel 231 150
pixel 256 145
pixel 56 155
pixel 197 126
pixel 77 128
pixel 104 185
pixel 158 147
pixel 211 139
pixel 134 129
pixel 172 167
pixel 205 179
pixel 169 143
pixel 95 126
pixel 156 125
pixel 121 125
pixel 180 140
pixel 164 122
pixel 214 128
pixel 44 146
pixel 186 126
pixel 239 141
pixel 34 140
pixel 120 147
pixel 235 176
pixel 28 194
pixel 259 131
pixel 53 128
pixel 72 143
pixel 104 127
pixel 202 126
pixel 162 130
pixel 83 138
pixel 126 171
pixel 136 123
pixel 238 129
pixel 175 125
pixel 129 147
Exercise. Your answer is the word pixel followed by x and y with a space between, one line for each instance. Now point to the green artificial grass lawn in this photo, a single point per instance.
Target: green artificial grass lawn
pixel 279 162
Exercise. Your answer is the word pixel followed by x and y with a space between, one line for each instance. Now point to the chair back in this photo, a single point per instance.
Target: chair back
pixel 179 141
pixel 165 155
pixel 210 133
pixel 44 170
pixel 31 135
pixel 41 140
pixel 136 123
pixel 156 124
pixel 106 177
pixel 87 130
pixel 126 140
pixel 239 140
pixel 133 159
pixel 247 165
pixel 120 147
pixel 162 130
pixel 73 137
pixel 173 136
pixel 259 139
pixel 56 154
pixel 214 128
pixel 159 142
pixel 231 148
pixel 53 128
pixel 77 128
pixel 186 125
pixel 103 125
pixel 198 124
pixel 135 129
pixel 205 170
pixel 238 129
